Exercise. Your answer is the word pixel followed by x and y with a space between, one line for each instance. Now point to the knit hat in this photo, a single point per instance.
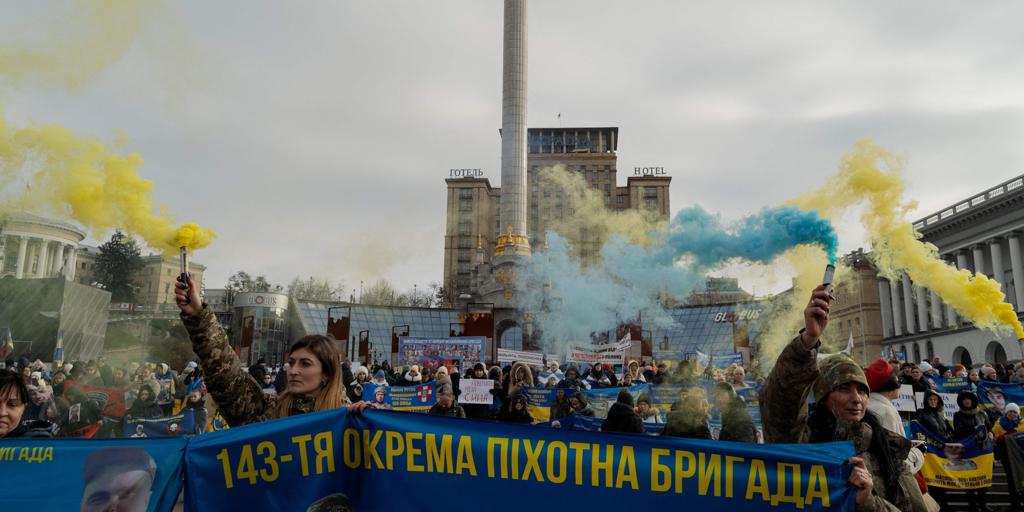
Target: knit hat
pixel 643 398
pixel 877 374
pixel 834 371
pixel 925 367
pixel 1012 407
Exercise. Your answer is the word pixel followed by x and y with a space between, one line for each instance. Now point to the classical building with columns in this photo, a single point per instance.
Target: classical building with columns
pixel 983 234
pixel 36 247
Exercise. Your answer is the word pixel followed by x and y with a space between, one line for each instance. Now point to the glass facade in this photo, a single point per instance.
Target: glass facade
pixel 711 329
pixel 260 332
pixel 311 318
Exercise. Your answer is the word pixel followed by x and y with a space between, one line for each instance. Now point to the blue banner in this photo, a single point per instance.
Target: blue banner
pixel 952 384
pixel 966 464
pixel 396 461
pixel 577 422
pixel 539 399
pixel 401 398
pixel 727 359
pixel 183 423
pixel 997 395
pixel 88 474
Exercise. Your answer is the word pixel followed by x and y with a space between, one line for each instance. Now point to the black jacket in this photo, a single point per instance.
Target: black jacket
pixel 622 418
pixel 32 428
pixel 737 425
pixel 454 411
pixel 934 420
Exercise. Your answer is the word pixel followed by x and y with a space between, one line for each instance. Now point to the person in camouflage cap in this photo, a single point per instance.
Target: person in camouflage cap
pixel 840 393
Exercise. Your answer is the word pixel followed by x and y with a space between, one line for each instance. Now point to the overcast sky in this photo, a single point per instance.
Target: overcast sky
pixel 315 137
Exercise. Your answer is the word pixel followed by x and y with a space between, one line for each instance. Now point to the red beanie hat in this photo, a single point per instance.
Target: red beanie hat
pixel 878 373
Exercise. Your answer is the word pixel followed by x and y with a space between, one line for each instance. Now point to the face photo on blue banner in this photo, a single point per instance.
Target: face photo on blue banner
pixel 91 475
pixel 401 398
pixel 997 394
pixel 387 460
pixel 965 464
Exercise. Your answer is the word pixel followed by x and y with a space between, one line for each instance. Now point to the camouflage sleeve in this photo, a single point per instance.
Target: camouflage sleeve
pixel 783 398
pixel 238 397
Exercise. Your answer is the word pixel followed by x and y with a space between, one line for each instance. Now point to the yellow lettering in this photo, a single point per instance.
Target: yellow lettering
pixel 393 447
pixel 301 441
pixel 691 468
pixel 661 475
pixel 48 455
pixel 515 459
pixel 780 495
pixel 350 446
pixel 370 448
pixel 533 459
pixel 439 461
pixel 268 460
pixel 464 459
pixel 757 483
pixel 579 448
pixel 323 444
pixel 597 465
pixel 627 469
pixel 563 462
pixel 729 461
pixel 492 443
pixel 710 469
pixel 817 486
pixel 411 452
pixel 246 468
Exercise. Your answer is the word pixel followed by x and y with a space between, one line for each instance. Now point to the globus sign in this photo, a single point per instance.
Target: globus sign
pixel 267 300
pixel 732 316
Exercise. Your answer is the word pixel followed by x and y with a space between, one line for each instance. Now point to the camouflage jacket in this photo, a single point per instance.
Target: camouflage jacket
pixel 239 398
pixel 784 413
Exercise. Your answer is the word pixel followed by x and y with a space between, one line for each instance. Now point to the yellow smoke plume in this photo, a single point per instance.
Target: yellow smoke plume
pixel 72 50
pixel 589 213
pixel 871 175
pixel 51 170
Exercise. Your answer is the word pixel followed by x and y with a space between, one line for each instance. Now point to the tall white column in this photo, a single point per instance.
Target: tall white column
pixel 58 264
pixel 922 309
pixel 961 259
pixel 1017 264
pixel 513 125
pixel 72 264
pixel 979 259
pixel 19 271
pixel 885 308
pixel 995 246
pixel 936 311
pixel 44 251
pixel 897 309
pixel 908 305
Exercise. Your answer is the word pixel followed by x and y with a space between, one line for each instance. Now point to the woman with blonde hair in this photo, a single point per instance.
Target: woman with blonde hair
pixel 314 372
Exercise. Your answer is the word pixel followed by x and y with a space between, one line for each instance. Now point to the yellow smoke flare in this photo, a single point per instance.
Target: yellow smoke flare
pixel 870 174
pixel 590 213
pixel 49 169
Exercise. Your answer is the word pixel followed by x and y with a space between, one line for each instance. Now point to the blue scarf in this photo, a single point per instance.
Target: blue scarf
pixel 1008 424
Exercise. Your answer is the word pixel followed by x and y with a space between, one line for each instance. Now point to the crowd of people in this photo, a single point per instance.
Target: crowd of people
pixel 804 399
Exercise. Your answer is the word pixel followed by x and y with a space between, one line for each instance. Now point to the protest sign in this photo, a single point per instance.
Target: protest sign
pixel 364 460
pixel 110 400
pixel 906 401
pixel 531 358
pixel 996 394
pixel 402 398
pixel 966 464
pixel 476 391
pixel 87 474
pixel 952 384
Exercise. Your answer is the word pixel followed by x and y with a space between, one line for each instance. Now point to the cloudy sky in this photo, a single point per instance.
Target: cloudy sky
pixel 315 136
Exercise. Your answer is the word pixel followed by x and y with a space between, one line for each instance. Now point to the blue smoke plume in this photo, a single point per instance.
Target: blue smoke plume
pixel 630 280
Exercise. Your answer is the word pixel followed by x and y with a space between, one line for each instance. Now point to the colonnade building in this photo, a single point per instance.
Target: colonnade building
pixel 36 247
pixel 982 233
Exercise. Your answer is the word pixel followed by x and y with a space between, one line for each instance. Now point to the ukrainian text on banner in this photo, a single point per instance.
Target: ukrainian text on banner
pixel 80 474
pixel 963 465
pixel 952 384
pixel 531 358
pixel 540 399
pixel 997 394
pixel 383 460
pixel 401 398
pixel 476 391
pixel 412 348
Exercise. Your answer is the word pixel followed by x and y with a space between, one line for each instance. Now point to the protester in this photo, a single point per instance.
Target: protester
pixel 932 418
pixel 355 388
pixel 196 402
pixel 445 405
pixel 647 413
pixel 971 421
pixel 885 387
pixel 145 405
pixel 14 399
pixel 689 416
pixel 267 386
pixel 737 425
pixel 517 412
pixel 840 392
pixel 313 377
pixel 621 416
pixel 1009 424
pixel 560 406
pixel 520 376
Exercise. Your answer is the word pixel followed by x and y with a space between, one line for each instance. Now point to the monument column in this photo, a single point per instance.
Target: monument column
pixel 1017 265
pixel 513 236
pixel 44 252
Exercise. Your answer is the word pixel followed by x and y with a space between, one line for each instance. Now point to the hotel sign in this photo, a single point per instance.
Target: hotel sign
pixel 649 171
pixel 465 173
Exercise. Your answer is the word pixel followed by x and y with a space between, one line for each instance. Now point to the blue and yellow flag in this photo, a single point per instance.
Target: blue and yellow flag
pixel 966 464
